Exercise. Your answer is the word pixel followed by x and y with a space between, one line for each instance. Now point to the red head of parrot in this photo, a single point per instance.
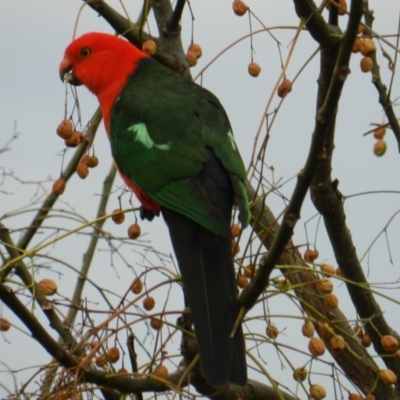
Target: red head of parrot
pixel 103 63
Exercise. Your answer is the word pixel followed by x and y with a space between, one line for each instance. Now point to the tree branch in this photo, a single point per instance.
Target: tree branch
pixel 173 24
pixel 384 96
pixel 328 201
pixel 133 34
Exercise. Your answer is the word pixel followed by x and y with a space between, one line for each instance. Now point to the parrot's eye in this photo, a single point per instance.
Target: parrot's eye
pixel 85 52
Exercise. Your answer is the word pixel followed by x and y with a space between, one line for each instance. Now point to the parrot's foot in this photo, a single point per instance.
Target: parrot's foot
pixel 144 213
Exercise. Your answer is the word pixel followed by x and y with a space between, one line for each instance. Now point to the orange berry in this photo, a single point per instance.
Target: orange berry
pixel 389 343
pixel 355 396
pixel 367 46
pixel 137 286
pixel 327 268
pixel 284 88
pixel 156 323
pixel 316 346
pixel 370 397
pixel 342 7
pixel 242 281
pixel 249 271
pixel 149 303
pixel 380 148
pixel 308 329
pixel 94 344
pixel 366 64
pixel 272 331
pixel 4 324
pixel 47 287
pixel 331 301
pixel 113 354
pixel 134 231
pixel 387 376
pixel 82 170
pixel 149 47
pixel 118 216
pixel 75 140
pixel 366 340
pixel 324 329
pixel 239 8
pixel 254 69
pixel 235 247
pixel 300 374
pixel 84 160
pixel 64 130
pixel 358 330
pixel 337 344
pixel 338 272
pixel 101 360
pixel 235 230
pixel 317 392
pixel 379 132
pixel 161 372
pixel 325 286
pixel 59 186
pixel 93 162
pixel 192 58
pixel 197 49
pixel 310 255
pixel 122 371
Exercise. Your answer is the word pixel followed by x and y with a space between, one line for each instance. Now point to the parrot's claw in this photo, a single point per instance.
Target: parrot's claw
pixel 144 213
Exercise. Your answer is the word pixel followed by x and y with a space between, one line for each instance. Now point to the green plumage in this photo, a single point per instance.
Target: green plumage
pixel 161 126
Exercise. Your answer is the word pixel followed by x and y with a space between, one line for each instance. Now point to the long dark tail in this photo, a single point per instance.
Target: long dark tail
pixel 206 264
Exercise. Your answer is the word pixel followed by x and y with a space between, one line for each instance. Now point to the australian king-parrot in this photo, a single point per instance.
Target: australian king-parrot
pixel 173 145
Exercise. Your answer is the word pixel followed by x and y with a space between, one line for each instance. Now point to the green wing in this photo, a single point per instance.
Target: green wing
pixel 161 125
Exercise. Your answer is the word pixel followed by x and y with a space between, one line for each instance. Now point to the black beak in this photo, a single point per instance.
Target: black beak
pixel 69 77
pixel 67 73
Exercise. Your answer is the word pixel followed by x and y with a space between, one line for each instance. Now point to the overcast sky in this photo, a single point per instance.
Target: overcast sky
pixel 33 36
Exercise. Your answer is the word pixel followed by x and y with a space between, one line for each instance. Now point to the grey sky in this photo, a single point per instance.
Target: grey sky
pixel 33 35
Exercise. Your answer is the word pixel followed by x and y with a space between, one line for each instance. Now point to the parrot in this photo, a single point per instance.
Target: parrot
pixel 173 145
